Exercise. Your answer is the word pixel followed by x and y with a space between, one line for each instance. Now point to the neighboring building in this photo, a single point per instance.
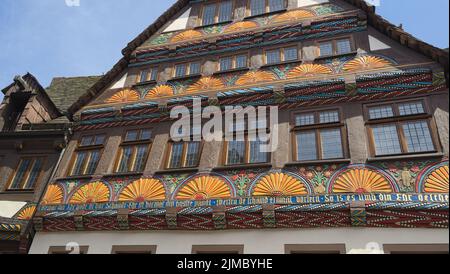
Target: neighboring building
pixel 33 132
pixel 362 161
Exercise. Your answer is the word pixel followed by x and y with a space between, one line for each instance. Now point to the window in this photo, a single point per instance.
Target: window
pixel 233 62
pixel 134 151
pixel 148 75
pixel 67 250
pixel 182 70
pixel 400 128
pixel 311 249
pixel 217 13
pixel 27 174
pixel 318 136
pixel 246 151
pixel 183 155
pixel 133 249
pixel 218 249
pixel 87 155
pixel 416 249
pixel 258 7
pixel 335 47
pixel 276 56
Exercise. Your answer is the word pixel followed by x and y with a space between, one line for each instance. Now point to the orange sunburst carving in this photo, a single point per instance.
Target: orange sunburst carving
pixel 96 192
pixel 437 181
pixel 253 77
pixel 308 70
pixel 143 190
pixel 366 63
pixel 204 188
pixel 294 15
pixel 27 213
pixel 53 195
pixel 124 96
pixel 361 180
pixel 186 35
pixel 160 91
pixel 205 83
pixel 279 184
pixel 240 26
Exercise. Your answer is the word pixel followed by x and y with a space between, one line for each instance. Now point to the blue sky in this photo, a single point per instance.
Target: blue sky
pixel 49 38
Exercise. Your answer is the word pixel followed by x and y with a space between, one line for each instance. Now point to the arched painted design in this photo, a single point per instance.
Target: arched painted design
pixel 361 179
pixel 186 35
pixel 143 190
pixel 278 184
pixel 434 179
pixel 293 15
pixel 366 62
pixel 96 192
pixel 204 187
pixel 253 77
pixel 53 196
pixel 308 70
pixel 26 213
pixel 160 91
pixel 124 96
pixel 206 83
pixel 240 26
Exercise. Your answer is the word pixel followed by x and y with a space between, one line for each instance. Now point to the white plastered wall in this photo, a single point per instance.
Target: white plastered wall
pixel 9 209
pixel 357 240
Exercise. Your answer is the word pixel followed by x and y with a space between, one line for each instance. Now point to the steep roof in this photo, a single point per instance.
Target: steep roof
pixel 66 91
pixel 394 32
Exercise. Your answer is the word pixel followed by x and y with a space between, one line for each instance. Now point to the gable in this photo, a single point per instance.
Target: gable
pixel 380 38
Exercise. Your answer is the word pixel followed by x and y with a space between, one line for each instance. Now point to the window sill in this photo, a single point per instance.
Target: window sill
pixel 79 177
pixel 145 83
pixel 280 63
pixel 214 24
pixel 18 191
pixel 320 58
pixel 319 162
pixel 264 14
pixel 187 77
pixel 124 174
pixel 231 71
pixel 176 170
pixel 243 166
pixel 406 157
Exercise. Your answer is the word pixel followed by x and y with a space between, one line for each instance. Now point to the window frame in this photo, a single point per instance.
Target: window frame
pixel 334 46
pixel 11 178
pixel 149 71
pixel 168 155
pixel 247 152
pixel 188 69
pixel 399 121
pixel 233 62
pixel 217 13
pixel 83 148
pixel 134 144
pixel 267 9
pixel 317 127
pixel 282 54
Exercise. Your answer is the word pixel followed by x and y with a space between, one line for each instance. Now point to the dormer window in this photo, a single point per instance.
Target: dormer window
pixel 217 13
pixel 258 7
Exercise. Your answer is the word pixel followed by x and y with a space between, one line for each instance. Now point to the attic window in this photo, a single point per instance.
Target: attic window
pixel 217 13
pixel 15 109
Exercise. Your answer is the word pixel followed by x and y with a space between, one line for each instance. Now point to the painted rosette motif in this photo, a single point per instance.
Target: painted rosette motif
pixel 143 190
pixel 361 180
pixel 279 184
pixel 124 96
pixel 27 213
pixel 160 91
pixel 240 26
pixel 96 192
pixel 294 15
pixel 366 63
pixel 437 181
pixel 186 35
pixel 204 188
pixel 53 196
